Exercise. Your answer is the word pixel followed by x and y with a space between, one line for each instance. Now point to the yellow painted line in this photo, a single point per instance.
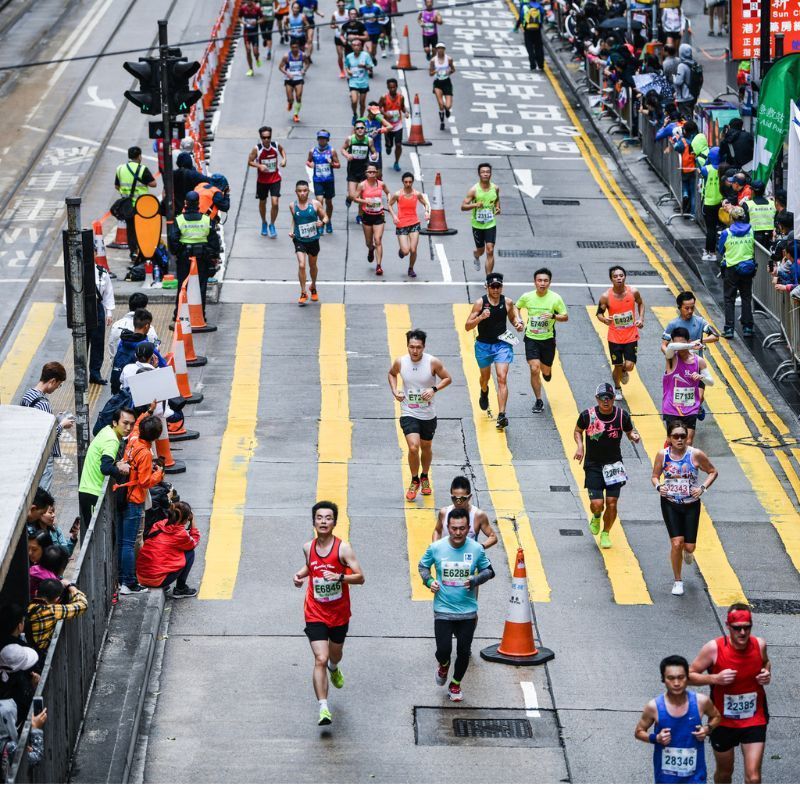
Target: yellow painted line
pixel 26 345
pixel 723 585
pixel 501 477
pixel 769 490
pixel 335 429
pixel 421 514
pixel 236 450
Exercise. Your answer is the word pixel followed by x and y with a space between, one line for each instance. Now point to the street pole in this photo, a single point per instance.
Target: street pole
pixel 764 56
pixel 166 122
pixel 81 378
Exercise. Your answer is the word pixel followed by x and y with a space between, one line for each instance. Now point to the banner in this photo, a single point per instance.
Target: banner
pixel 793 178
pixel 745 27
pixel 780 86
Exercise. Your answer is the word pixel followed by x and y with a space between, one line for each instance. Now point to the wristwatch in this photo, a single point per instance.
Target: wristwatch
pixel 435 388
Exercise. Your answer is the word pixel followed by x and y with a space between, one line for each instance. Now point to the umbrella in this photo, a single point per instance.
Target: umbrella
pixel 619 23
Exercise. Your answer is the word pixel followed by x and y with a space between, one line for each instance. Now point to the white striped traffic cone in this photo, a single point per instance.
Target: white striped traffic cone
pixel 437 225
pixel 404 58
pixel 183 331
pixel 195 299
pixel 416 138
pixel 121 239
pixel 177 358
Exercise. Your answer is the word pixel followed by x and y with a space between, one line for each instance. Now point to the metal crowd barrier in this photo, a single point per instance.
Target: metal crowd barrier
pixel 666 163
pixel 593 73
pixel 73 654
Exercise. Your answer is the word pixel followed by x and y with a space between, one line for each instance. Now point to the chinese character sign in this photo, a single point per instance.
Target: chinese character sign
pixel 746 27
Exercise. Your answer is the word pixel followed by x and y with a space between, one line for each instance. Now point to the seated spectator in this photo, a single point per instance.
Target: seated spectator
pixel 167 554
pixel 138 300
pixel 48 608
pixel 9 737
pixel 18 680
pixel 42 500
pixel 52 564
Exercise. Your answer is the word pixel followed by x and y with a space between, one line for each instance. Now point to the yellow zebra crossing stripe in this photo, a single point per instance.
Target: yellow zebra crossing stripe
pixel 26 345
pixel 723 585
pixel 501 477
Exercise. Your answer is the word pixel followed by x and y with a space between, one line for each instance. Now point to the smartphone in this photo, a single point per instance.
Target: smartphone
pixel 76 525
pixel 38 706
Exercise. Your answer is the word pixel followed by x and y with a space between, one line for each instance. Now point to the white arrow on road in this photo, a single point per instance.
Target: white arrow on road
pixel 526 184
pixel 94 100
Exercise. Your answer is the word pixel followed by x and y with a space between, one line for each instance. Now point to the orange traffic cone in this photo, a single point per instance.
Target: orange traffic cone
pixel 404 59
pixel 177 360
pixel 99 245
pixel 437 225
pixel 121 239
pixel 517 646
pixel 183 331
pixel 195 298
pixel 416 138
pixel 171 466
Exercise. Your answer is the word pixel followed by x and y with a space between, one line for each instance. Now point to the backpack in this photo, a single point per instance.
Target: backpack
pixel 695 83
pixel 122 399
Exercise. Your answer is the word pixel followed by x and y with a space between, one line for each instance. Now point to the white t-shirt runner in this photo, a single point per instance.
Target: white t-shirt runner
pixel 417 376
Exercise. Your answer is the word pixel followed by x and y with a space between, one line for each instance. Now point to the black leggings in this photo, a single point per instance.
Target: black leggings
pixel 463 630
pixel 711 217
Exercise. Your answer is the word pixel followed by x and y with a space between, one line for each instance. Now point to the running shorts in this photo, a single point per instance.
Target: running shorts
pixel 320 632
pixel 309 248
pixel 430 41
pixel 326 189
pixel 357 170
pixel 542 350
pixel 724 738
pixel 405 230
pixel 294 82
pixel 690 420
pixel 681 519
pixel 373 219
pixel 359 89
pixel 339 42
pixel 264 190
pixel 445 86
pixel 487 353
pixel 251 36
pixel 393 138
pixel 425 428
pixel 373 37
pixel 620 353
pixel 266 26
pixel 484 236
pixel 596 484
pixel 301 40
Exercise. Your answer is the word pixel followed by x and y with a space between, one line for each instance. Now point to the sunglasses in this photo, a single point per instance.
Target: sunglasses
pixel 457 500
pixel 740 628
pixel 677 436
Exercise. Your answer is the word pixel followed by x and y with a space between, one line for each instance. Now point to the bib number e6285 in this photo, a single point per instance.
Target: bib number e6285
pixel 679 761
pixel 455 573
pixel 739 706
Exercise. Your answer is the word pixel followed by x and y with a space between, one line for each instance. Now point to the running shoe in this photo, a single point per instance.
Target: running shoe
pixel 441 674
pixel 329 228
pixel 454 692
pixel 483 400
pixel 273 234
pixel 383 54
pixel 325 717
pixel 677 588
pixel 379 270
pixel 314 295
pixel 413 488
pixel 538 407
pixel 187 591
pixel 258 62
pixel 426 485
pixel 441 125
pixel 370 254
pixel 618 393
pixel 701 413
pixel 688 558
pixel 502 421
pixel 264 229
pixel 605 540
pixel 337 679
pixel 594 524
pixel 748 333
pixel 132 588
pixel 400 254
pixel 396 166
pixel 303 299
pixel 476 262
pixel 411 273
pixel 295 119
pixel 625 377
pixel 289 105
pixel 447 113
pixel 249 73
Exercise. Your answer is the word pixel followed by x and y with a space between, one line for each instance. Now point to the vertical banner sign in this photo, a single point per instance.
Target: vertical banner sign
pixel 778 89
pixel 793 184
pixel 746 27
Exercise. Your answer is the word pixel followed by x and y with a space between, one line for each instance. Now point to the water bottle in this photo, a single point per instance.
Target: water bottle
pixel 156 273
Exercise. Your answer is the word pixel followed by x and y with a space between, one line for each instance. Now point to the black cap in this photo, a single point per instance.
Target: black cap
pixel 494 277
pixel 145 351
pixel 604 390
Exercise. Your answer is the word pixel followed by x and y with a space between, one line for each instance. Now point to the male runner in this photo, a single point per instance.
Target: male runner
pixel 393 107
pixel 250 14
pixel 281 13
pixel 310 11
pixel 621 308
pixel 308 218
pixel 323 159
pixel 406 219
pixel 737 669
pixel 369 195
pixel 376 126
pixel 351 30
pixel 483 200
pixel 339 17
pixel 385 20
pixel 679 735
pixel 544 308
pixel 603 425
pixel 441 67
pixel 419 371
pixel 359 150
pixel 370 13
pixel 266 24
pixel 294 66
pixel 461 566
pixel 494 344
pixel 460 495
pixel 429 20
pixel 332 568
pixel 264 158
pixel 358 67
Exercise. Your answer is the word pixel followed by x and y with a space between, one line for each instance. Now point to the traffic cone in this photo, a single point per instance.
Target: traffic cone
pixel 183 331
pixel 195 298
pixel 121 239
pixel 517 646
pixel 437 225
pixel 99 245
pixel 177 360
pixel 178 432
pixel 416 138
pixel 404 59
pixel 171 466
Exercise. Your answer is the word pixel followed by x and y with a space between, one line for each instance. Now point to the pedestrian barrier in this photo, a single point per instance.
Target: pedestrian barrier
pixel 593 73
pixel 416 137
pixel 183 331
pixel 195 301
pixel 404 57
pixel 437 224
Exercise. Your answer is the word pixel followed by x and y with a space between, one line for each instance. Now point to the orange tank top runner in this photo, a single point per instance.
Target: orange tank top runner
pixel 407 210
pixel 622 311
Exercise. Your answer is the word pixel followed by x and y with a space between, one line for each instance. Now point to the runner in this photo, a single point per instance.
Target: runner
pixel 603 425
pixel 737 668
pixel 308 218
pixel 680 494
pixel 370 14
pixel 419 371
pixel 310 10
pixel 393 107
pixel 441 67
pixel 297 26
pixel 323 159
pixel 332 568
pixel 406 219
pixel 281 13
pixel 264 158
pixel 385 21
pixel 679 736
pixel 368 195
pixel 351 30
pixel 250 14
pixel 429 20
pixel 483 200
pixel 461 566
pixel 294 65
pixel 338 19
pixel 680 384
pixel 460 495
pixel 544 308
pixel 376 125
pixel 358 149
pixel 267 24
pixel 358 67
pixel 621 308
pixel 494 344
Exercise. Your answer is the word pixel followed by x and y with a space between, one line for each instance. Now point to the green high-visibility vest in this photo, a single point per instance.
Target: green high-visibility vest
pixel 739 248
pixel 711 193
pixel 762 215
pixel 193 231
pixel 125 173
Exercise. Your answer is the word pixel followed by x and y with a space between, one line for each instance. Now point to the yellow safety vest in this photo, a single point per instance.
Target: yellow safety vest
pixel 125 173
pixel 739 248
pixel 762 215
pixel 193 231
pixel 533 19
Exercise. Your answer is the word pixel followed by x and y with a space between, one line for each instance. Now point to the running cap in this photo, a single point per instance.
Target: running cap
pixel 740 616
pixel 494 279
pixel 441 46
pixel 604 390
pixel 323 135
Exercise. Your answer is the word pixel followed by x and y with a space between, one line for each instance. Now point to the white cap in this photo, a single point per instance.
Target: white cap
pixel 440 46
pixel 16 658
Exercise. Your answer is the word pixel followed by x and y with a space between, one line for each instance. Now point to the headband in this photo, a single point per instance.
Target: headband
pixel 739 616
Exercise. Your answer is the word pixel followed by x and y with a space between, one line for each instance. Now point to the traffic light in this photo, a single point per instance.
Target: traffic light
pixel 181 96
pixel 147 72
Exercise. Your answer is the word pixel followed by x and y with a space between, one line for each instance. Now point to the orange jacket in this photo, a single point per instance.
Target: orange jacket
pixel 207 192
pixel 142 476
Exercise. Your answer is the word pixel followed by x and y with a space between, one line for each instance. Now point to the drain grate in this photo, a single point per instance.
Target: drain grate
pixel 570 532
pixel 559 489
pixel 607 244
pixel 493 728
pixel 529 253
pixel 642 273
pixel 770 606
pixel 554 202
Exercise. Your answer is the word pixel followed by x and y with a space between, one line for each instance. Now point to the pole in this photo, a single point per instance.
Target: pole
pixel 166 122
pixel 80 380
pixel 765 21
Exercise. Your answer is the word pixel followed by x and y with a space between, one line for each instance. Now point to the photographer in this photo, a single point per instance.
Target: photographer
pixel 56 600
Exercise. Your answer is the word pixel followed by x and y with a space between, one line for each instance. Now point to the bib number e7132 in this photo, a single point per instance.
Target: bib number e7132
pixel 683 395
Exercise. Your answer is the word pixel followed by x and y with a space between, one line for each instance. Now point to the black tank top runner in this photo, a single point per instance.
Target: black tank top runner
pixel 490 329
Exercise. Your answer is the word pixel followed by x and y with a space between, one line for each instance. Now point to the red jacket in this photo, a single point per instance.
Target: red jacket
pixel 163 552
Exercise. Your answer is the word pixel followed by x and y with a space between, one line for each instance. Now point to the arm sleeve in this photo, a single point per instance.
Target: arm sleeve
pixel 484 575
pixel 424 573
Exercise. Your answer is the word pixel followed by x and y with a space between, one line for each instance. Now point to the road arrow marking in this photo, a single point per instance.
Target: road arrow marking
pixel 526 184
pixel 94 100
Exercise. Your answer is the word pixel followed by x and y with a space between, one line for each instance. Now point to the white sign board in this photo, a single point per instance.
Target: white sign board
pixel 153 384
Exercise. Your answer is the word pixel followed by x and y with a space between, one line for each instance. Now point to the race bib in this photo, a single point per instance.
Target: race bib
pixel 679 761
pixel 414 400
pixel 739 706
pixel 484 215
pixel 614 473
pixel 508 338
pixel 374 205
pixel 455 573
pixel 392 115
pixel 307 230
pixel 327 591
pixel 678 487
pixel 624 320
pixel 358 72
pixel 538 324
pixel 271 164
pixel 683 395
pixel 442 73
pixel 359 150
pixel 323 170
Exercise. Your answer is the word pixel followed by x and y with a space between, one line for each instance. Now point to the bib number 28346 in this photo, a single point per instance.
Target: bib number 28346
pixel 679 761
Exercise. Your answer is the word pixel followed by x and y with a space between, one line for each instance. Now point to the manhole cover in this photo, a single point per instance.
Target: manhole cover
pixel 555 202
pixel 493 728
pixel 607 244
pixel 570 532
pixel 559 488
pixel 770 606
pixel 529 253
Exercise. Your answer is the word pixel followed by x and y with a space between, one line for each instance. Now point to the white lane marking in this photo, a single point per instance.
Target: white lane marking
pixel 442 256
pixel 268 282
pixel 562 158
pixel 526 184
pixel 414 159
pixel 85 141
pixel 96 100
pixel 404 92
pixel 531 700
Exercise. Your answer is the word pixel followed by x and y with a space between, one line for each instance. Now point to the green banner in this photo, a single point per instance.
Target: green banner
pixel 781 84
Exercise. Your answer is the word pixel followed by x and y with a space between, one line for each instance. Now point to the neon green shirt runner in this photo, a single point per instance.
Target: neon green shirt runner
pixel 483 218
pixel 537 326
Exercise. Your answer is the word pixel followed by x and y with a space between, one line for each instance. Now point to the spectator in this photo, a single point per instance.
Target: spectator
pixel 145 361
pixel 185 178
pixel 669 65
pixel 104 316
pixel 125 323
pixel 37 544
pixel 737 144
pixel 128 342
pixel 712 202
pixel 102 459
pixel 673 121
pixel 47 609
pixel 51 566
pixel 48 523
pixel 42 500
pixel 18 681
pixel 682 144
pixel 780 200
pixel 167 554
pixel 737 248
pixel 688 80
pixel 9 737
pixel 12 624
pixel 52 376
pixel 759 211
